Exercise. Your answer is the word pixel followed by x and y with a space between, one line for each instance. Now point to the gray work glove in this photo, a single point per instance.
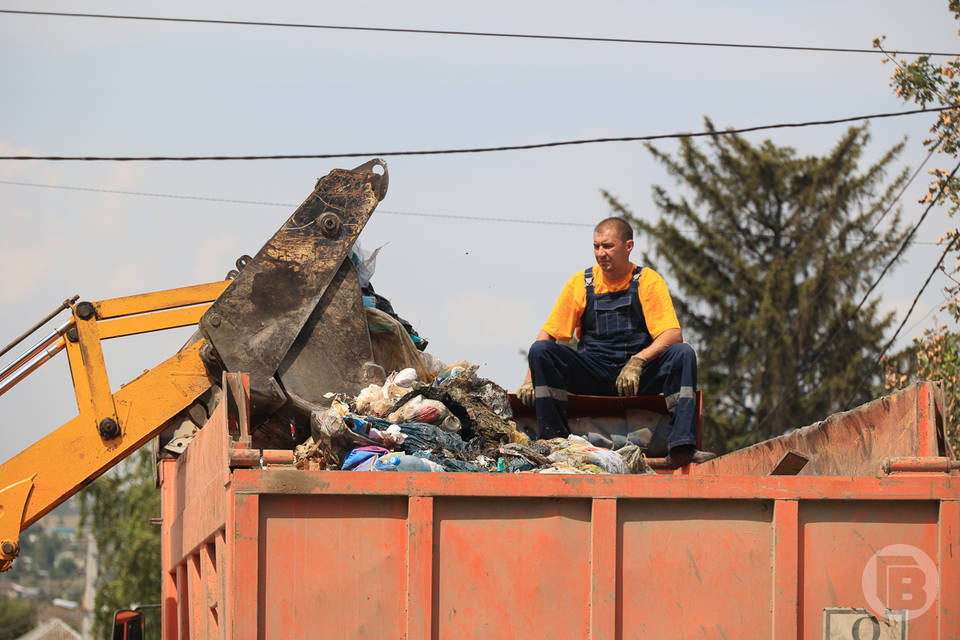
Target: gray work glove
pixel 628 382
pixel 525 393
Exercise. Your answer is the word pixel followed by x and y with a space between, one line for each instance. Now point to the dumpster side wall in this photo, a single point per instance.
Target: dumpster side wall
pixel 280 553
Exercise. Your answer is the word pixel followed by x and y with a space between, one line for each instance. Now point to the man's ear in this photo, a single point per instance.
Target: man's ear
pixel 629 245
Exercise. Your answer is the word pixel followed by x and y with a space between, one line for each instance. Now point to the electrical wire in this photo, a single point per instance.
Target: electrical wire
pixel 290 205
pixel 903 246
pixel 519 147
pixel 924 317
pixel 936 267
pixel 906 186
pixel 482 34
pixel 896 333
pixel 823 347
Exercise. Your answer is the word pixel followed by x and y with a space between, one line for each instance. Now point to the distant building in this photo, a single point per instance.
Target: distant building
pixel 65 604
pixel 51 629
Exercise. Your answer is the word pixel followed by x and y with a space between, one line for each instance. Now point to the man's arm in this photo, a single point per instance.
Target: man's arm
pixel 659 344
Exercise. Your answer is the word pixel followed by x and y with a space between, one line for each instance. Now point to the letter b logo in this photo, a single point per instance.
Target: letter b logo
pixel 900 577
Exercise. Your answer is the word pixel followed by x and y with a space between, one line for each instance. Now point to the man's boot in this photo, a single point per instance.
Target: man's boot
pixel 686 454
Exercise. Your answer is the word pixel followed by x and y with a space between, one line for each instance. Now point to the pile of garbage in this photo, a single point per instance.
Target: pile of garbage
pixel 459 422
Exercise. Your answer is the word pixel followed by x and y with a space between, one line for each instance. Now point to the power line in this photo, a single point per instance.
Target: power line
pixel 519 147
pixel 901 249
pixel 178 196
pixel 925 316
pixel 896 333
pixel 290 205
pixel 903 246
pixel 933 149
pixel 936 267
pixel 146 193
pixel 482 34
pixel 823 347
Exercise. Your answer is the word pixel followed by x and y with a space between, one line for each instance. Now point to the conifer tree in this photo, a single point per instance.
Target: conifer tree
pixel 767 255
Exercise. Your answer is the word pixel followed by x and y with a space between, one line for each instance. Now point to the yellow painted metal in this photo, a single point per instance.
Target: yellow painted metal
pixel 158 300
pixel 13 499
pixel 53 469
pixel 148 322
pixel 74 454
pixel 95 371
pixel 81 389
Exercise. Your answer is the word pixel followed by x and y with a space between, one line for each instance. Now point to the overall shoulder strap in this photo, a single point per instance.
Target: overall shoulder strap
pixel 588 279
pixel 635 294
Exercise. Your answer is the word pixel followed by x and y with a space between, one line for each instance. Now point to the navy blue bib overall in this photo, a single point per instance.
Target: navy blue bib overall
pixel 612 328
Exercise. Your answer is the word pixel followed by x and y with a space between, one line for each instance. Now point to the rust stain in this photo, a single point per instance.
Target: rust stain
pixel 292 481
pixel 693 563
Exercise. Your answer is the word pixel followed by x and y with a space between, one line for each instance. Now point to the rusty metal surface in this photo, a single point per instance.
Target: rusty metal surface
pixel 423 555
pixel 917 464
pixel 253 324
pixel 330 353
pixel 853 443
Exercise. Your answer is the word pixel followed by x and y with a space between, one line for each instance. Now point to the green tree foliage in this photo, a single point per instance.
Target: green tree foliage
pixel 17 617
pixel 766 253
pixel 936 356
pixel 118 507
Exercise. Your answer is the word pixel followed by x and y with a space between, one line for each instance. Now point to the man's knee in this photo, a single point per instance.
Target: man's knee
pixel 539 350
pixel 682 352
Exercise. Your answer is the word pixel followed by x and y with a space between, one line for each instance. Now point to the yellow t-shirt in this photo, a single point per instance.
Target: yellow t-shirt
pixel 658 312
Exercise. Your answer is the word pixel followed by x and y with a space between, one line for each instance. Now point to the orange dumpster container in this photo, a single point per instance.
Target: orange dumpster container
pixel 254 548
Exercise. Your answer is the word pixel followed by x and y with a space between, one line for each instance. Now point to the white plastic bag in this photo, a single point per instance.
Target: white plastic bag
pixel 404 378
pixel 366 263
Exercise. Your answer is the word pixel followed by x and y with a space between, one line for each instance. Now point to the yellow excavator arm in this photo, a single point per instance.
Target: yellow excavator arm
pixel 292 317
pixel 109 426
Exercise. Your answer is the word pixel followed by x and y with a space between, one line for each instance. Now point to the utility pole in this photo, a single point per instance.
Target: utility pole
pixel 89 591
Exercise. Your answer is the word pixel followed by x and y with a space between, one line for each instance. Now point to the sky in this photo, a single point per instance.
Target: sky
pixel 477 289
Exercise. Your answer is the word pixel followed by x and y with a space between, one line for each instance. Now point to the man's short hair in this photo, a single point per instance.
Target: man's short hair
pixel 621 226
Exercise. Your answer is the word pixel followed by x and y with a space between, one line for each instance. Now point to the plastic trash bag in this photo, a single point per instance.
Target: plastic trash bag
pixel 420 409
pixel 378 400
pixel 391 437
pixel 427 437
pixel 513 464
pixel 363 458
pixel 404 378
pixel 432 363
pixel 404 462
pixel 365 262
pixel 577 452
pixel 460 466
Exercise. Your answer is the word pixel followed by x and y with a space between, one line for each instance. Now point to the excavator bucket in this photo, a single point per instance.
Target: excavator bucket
pixel 293 316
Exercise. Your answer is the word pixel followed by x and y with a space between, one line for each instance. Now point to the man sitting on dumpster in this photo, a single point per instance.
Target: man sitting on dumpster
pixel 629 343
